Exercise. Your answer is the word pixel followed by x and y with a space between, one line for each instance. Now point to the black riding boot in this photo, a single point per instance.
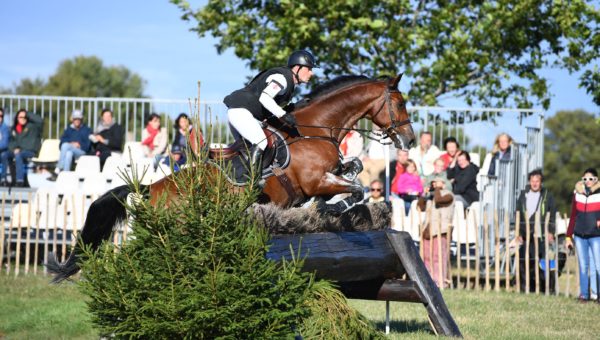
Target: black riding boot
pixel 256 165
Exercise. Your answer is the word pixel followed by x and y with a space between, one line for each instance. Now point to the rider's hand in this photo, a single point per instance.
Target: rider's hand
pixel 288 119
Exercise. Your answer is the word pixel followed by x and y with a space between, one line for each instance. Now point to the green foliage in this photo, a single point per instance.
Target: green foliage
pixel 571 145
pixel 195 269
pixel 490 52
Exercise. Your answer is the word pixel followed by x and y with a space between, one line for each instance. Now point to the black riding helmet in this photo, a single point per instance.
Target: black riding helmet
pixel 302 58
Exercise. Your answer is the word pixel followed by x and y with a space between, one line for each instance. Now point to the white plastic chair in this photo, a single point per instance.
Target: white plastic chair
pixel 112 167
pixel 87 166
pixel 132 151
pixel 67 183
pixel 49 152
pixel 94 184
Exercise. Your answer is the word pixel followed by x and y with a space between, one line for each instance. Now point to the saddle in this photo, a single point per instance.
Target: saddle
pixel 234 159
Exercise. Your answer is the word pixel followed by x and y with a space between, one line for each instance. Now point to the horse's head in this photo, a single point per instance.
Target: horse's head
pixel 391 116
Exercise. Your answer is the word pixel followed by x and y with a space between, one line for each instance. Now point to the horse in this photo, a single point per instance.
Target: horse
pixel 314 170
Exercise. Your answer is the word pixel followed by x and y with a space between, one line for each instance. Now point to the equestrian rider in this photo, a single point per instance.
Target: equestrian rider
pixel 265 95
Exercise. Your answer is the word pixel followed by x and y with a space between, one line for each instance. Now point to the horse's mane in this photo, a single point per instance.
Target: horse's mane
pixel 331 86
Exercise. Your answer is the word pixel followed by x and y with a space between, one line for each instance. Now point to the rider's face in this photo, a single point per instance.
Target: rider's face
pixel 304 74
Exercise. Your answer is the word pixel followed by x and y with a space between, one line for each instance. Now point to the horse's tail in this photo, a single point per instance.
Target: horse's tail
pixel 104 213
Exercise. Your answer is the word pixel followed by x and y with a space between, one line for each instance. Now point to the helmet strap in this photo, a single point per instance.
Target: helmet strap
pixel 296 74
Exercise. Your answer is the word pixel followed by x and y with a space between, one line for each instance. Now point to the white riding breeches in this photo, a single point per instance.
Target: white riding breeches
pixel 247 126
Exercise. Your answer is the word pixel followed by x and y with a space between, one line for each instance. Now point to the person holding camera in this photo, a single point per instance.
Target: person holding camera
pixel 437 229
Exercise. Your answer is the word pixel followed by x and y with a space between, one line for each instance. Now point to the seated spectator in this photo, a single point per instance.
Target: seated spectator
pixel 184 132
pixel 352 144
pixel 397 168
pixel 177 155
pixel 464 174
pixel 438 172
pixel 409 186
pixel 107 137
pixel 25 142
pixel 4 139
pixel 154 138
pixel 376 193
pixel 436 229
pixel 501 151
pixel 451 146
pixel 373 162
pixel 424 154
pixel 74 143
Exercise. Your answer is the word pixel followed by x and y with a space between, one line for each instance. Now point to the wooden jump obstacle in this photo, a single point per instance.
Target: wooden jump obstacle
pixel 374 265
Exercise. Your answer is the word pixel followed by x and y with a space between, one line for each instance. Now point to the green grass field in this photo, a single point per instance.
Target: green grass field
pixel 30 308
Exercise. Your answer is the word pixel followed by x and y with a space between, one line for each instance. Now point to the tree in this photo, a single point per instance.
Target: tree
pixel 490 52
pixel 570 146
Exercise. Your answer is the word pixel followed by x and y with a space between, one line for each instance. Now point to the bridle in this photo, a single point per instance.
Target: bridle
pixel 390 131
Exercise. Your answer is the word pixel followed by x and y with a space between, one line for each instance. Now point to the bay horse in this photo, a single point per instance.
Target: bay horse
pixel 334 108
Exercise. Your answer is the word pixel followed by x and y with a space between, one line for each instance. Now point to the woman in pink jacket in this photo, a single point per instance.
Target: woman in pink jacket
pixel 409 186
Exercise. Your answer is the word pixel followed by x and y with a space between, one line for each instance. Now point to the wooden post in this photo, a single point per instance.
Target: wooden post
pixel 507 252
pixel 556 259
pixel 458 254
pixel 37 233
pixel 440 263
pixel 546 259
pixel 28 238
pixel 496 251
pixel 64 230
pixel 536 241
pixel 47 232
pixel 9 241
pixel 477 254
pixel 2 231
pixel 527 244
pixel 18 245
pixel 517 254
pixel 55 237
pixel 486 250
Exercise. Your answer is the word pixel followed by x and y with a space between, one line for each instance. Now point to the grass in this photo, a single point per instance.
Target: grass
pixel 33 309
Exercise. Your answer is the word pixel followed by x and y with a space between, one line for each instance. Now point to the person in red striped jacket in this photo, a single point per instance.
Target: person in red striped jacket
pixel 584 229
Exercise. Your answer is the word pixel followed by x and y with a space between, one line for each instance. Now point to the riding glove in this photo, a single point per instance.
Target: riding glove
pixel 289 120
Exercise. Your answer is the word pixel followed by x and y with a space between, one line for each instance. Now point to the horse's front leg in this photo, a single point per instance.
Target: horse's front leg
pixel 332 185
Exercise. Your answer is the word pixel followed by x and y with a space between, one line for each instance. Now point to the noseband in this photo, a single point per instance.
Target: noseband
pixel 390 130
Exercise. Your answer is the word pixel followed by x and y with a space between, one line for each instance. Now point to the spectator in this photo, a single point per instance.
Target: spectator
pixel 25 142
pixel 501 151
pixel 424 154
pixel 438 172
pixel 154 138
pixel 177 156
pixel 584 224
pixel 184 132
pixel 452 147
pixel 4 140
pixel 74 143
pixel 373 162
pixel 376 193
pixel 409 186
pixel 535 198
pixel 107 137
pixel 352 144
pixel 464 174
pixel 438 222
pixel 397 168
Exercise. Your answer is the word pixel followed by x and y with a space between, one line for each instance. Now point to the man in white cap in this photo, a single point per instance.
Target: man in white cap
pixel 74 143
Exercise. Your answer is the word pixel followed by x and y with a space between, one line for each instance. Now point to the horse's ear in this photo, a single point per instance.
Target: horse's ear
pixel 393 82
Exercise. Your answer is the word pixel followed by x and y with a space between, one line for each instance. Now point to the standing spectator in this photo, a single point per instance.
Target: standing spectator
pixel 154 138
pixel 409 186
pixel 438 222
pixel 535 198
pixel 452 147
pixel 74 143
pixel 501 151
pixel 438 172
pixel 25 142
pixel 397 168
pixel 464 174
pixel 107 138
pixel 352 144
pixel 376 193
pixel 184 132
pixel 424 154
pixel 373 162
pixel 4 140
pixel 584 224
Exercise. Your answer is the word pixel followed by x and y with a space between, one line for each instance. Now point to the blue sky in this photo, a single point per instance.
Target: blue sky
pixel 149 38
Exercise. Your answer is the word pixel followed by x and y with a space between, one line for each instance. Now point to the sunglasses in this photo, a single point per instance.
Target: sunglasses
pixel 22 117
pixel 591 179
pixel 376 189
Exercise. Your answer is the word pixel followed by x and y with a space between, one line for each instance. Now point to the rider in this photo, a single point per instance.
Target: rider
pixel 265 95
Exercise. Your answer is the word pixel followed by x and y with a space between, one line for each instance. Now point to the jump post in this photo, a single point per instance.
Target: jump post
pixel 373 265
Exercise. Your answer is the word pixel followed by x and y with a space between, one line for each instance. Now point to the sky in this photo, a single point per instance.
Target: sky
pixel 149 38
